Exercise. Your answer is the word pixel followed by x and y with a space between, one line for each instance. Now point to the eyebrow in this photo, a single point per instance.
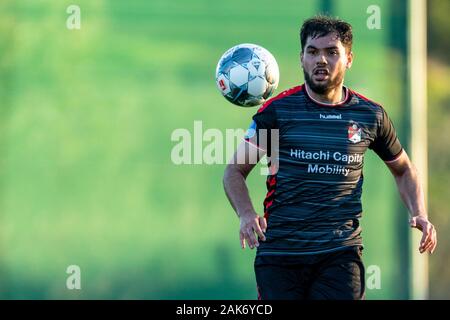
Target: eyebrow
pixel 312 47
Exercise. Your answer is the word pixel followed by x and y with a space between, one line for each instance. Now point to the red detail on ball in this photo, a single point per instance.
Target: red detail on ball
pixel 222 85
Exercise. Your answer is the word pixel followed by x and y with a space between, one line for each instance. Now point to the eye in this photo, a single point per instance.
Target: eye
pixel 333 52
pixel 312 51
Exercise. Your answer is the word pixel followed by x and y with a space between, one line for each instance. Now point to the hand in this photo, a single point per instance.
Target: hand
pixel 251 223
pixel 429 238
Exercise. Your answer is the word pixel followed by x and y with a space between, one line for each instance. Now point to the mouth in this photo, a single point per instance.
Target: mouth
pixel 321 74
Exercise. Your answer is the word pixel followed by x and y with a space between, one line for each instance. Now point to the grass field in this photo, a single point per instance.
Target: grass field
pixel 87 115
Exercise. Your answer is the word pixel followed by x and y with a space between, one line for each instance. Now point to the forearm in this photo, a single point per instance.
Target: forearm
pixel 237 191
pixel 411 192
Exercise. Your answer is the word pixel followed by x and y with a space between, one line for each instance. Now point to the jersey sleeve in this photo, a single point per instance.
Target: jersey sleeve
pixel 386 144
pixel 259 131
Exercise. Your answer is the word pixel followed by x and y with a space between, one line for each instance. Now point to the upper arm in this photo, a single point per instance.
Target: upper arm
pixel 245 158
pixel 257 141
pixel 400 165
pixel 386 143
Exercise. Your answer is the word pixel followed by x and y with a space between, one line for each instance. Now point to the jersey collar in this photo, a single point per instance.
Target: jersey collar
pixel 344 101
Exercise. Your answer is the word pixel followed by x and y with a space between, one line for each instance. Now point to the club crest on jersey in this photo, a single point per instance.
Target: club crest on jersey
pixel 354 132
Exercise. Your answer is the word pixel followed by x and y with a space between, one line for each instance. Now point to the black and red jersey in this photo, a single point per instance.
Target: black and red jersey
pixel 313 203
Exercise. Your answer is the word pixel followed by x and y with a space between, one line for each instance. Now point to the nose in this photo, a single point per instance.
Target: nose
pixel 321 59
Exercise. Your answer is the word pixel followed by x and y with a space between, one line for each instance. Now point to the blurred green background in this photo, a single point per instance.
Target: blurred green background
pixel 86 176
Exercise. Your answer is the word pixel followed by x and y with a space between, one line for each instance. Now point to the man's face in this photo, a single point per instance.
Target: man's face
pixel 324 61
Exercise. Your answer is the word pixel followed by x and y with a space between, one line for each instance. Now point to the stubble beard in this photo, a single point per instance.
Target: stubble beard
pixel 324 88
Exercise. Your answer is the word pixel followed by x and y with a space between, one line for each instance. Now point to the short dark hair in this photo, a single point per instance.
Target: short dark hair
pixel 322 25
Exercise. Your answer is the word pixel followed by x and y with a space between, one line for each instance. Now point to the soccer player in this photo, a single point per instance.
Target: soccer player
pixel 309 242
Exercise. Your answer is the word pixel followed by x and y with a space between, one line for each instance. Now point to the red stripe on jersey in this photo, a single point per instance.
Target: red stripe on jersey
pixel 270 193
pixel 283 94
pixel 365 98
pixel 269 204
pixel 272 181
pixel 268 201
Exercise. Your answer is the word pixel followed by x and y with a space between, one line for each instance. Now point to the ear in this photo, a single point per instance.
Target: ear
pixel 349 60
pixel 301 59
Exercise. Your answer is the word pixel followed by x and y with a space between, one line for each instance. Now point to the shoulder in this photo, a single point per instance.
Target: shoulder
pixel 371 108
pixel 269 104
pixel 363 100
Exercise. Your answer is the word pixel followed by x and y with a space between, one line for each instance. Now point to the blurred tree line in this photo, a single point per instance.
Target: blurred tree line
pixel 439 143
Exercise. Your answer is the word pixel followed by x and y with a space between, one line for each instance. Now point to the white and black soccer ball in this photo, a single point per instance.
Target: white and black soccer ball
pixel 247 75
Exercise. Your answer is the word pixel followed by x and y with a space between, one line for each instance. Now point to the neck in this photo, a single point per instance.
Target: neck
pixel 334 96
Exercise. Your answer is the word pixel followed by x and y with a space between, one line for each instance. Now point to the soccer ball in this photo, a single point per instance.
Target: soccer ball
pixel 247 75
